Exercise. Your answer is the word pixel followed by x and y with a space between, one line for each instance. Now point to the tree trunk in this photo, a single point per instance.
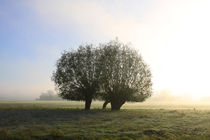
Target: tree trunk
pixel 88 103
pixel 105 104
pixel 116 105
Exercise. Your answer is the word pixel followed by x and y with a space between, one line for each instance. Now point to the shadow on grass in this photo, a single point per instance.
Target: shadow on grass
pixel 63 124
pixel 50 116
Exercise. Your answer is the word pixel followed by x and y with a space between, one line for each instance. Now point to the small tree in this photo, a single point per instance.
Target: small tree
pixel 49 95
pixel 124 75
pixel 77 75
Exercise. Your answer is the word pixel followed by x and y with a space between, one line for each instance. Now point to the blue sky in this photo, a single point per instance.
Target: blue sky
pixel 28 49
pixel 34 33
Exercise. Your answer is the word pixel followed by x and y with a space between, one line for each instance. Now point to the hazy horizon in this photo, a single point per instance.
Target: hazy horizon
pixel 172 36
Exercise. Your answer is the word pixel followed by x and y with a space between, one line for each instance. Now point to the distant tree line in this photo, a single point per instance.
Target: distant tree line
pixel 113 72
pixel 49 95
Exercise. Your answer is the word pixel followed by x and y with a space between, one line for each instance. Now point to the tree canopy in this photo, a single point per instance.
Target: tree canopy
pixel 77 76
pixel 114 72
pixel 124 74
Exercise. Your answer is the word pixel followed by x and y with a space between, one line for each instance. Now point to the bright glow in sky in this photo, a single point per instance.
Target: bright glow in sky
pixel 173 37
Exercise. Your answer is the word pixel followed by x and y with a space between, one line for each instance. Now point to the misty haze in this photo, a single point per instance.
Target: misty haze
pixel 104 70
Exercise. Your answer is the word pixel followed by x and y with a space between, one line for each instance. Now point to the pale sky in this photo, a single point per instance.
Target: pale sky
pixel 173 36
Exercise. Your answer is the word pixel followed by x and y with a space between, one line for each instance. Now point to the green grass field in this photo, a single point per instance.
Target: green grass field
pixel 49 120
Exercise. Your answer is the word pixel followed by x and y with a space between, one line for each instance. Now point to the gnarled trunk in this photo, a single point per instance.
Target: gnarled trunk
pixel 105 104
pixel 116 104
pixel 88 101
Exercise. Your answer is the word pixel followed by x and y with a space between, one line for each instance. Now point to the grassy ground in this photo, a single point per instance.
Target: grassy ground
pixel 21 120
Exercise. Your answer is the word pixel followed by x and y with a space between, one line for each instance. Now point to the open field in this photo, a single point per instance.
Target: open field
pixel 21 120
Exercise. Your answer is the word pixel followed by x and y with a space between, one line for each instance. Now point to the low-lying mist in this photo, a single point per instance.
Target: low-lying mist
pixel 158 97
pixel 165 96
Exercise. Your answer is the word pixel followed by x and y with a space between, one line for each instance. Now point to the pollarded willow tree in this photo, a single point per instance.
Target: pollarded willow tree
pixel 113 72
pixel 124 75
pixel 77 75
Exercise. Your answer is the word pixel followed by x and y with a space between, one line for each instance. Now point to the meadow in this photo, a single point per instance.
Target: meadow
pixel 63 120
